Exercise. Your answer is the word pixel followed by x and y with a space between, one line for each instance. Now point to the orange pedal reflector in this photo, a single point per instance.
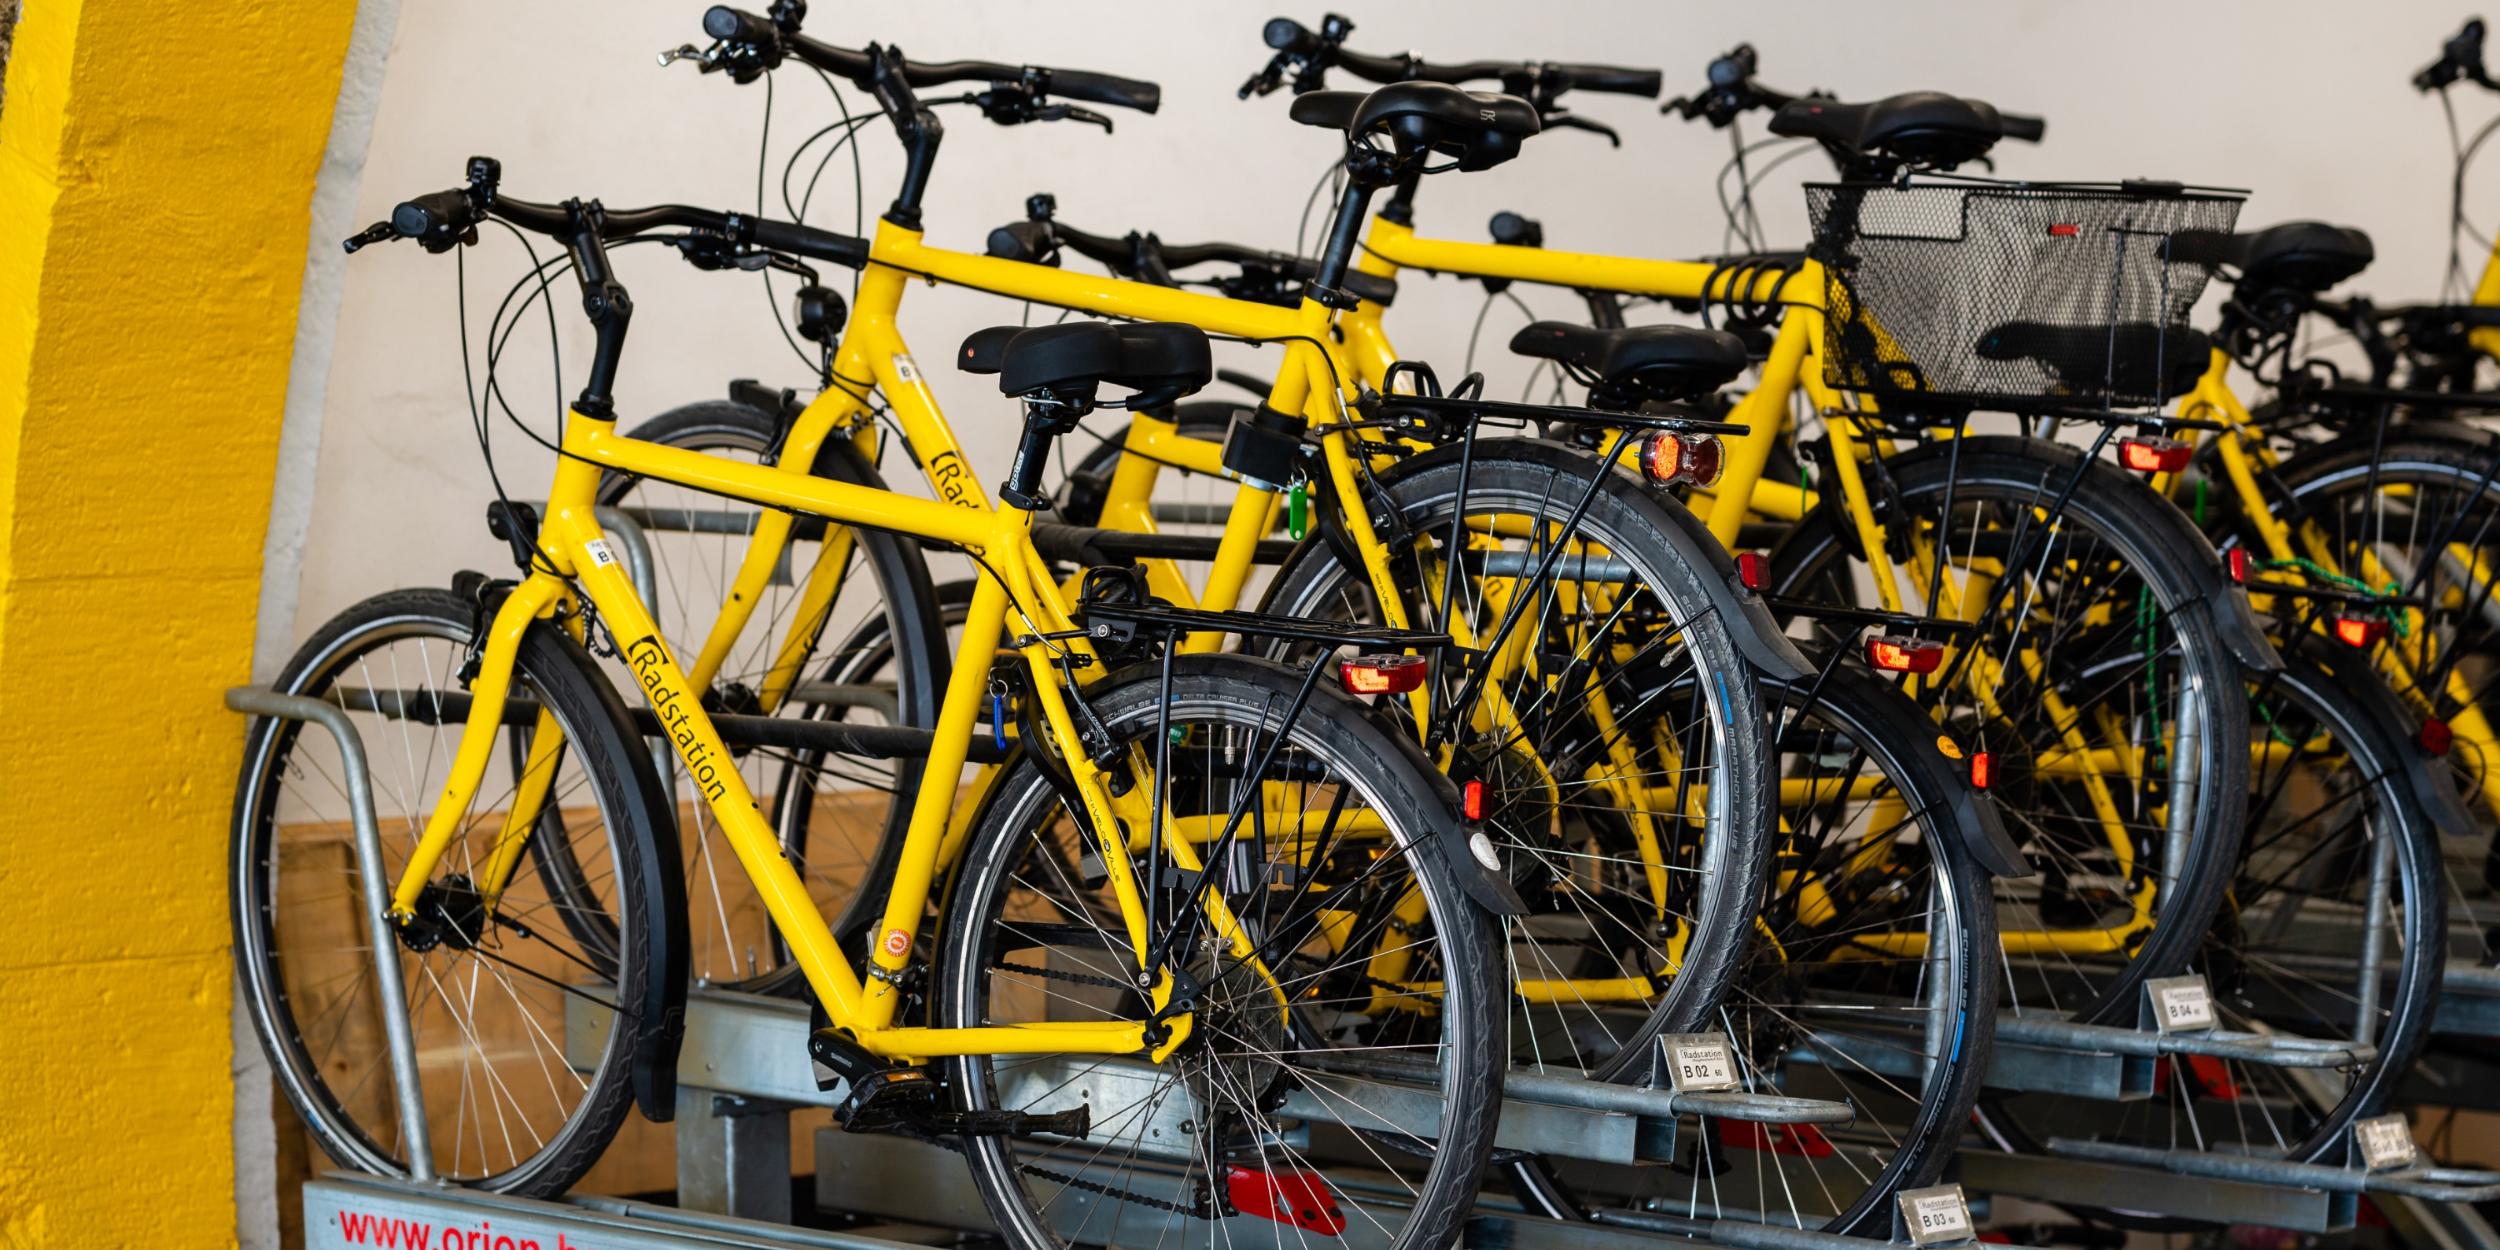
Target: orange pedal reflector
pixel 2436 737
pixel 1895 653
pixel 1383 674
pixel 2360 631
pixel 1753 569
pixel 2155 455
pixel 1671 459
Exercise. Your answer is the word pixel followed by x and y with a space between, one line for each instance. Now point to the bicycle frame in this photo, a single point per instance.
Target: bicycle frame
pixel 861 1001
pixel 1391 245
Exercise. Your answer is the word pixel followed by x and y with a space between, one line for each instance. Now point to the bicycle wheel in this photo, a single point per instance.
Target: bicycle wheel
pixel 2335 931
pixel 2420 514
pixel 1348 900
pixel 1622 751
pixel 2086 662
pixel 1872 981
pixel 524 1058
pixel 869 652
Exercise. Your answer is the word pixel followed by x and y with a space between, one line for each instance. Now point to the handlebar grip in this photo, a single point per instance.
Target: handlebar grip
pixel 2022 126
pixel 1287 35
pixel 433 215
pixel 1617 79
pixel 824 245
pixel 738 26
pixel 1127 93
pixel 1026 241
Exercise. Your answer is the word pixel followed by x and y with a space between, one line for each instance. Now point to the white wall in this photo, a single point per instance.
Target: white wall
pixel 2308 103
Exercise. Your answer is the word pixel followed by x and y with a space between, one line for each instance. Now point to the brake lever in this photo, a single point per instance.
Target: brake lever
pixel 705 59
pixel 1266 81
pixel 378 232
pixel 1571 121
pixel 1071 113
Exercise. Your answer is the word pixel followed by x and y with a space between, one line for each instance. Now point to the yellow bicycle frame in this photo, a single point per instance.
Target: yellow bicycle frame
pixel 862 1002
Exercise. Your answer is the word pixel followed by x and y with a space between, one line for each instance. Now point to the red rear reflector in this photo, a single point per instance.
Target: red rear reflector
pixel 1471 800
pixel 2064 230
pixel 1896 654
pixel 2237 561
pixel 2437 737
pixel 1289 1196
pixel 2155 455
pixel 1778 1139
pixel 1980 769
pixel 2360 631
pixel 1682 459
pixel 1753 569
pixel 1383 674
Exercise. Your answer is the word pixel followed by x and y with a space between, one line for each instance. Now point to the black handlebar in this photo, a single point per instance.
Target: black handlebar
pixel 443 219
pixel 1311 54
pixel 762 42
pixel 2460 57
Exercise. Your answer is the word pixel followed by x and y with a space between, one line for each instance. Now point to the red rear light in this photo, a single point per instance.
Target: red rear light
pixel 1383 674
pixel 1894 653
pixel 2436 736
pixel 1471 800
pixel 1980 769
pixel 1682 459
pixel 2237 561
pixel 2155 455
pixel 2064 230
pixel 2360 631
pixel 1753 569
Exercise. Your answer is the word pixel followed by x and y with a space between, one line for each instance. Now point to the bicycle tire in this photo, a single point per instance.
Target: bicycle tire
pixel 1461 1044
pixel 1533 478
pixel 2149 553
pixel 617 771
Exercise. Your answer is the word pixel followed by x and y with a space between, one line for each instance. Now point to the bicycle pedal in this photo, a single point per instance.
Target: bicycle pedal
pixel 893 1100
pixel 1075 1122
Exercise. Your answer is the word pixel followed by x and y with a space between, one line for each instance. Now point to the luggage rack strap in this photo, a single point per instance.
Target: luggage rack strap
pixel 2425 1181
pixel 1257 624
pixel 2257 1048
pixel 1466 407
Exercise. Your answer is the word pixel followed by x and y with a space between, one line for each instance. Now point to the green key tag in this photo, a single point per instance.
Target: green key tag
pixel 1298 511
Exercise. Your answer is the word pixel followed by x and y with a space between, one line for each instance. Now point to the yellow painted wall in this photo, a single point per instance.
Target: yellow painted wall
pixel 156 169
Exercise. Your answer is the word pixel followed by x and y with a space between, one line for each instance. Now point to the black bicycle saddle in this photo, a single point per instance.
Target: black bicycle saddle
pixel 1477 128
pixel 1160 361
pixel 1640 362
pixel 1928 127
pixel 2296 255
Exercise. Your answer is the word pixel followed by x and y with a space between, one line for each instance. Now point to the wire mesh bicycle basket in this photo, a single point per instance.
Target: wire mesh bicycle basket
pixel 1965 293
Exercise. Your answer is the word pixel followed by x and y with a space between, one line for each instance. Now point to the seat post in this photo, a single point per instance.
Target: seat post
pixel 1046 417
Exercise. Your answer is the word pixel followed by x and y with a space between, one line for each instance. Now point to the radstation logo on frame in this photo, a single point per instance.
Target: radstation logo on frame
pixel 649 660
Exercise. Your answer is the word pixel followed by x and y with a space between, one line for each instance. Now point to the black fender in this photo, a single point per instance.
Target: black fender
pixel 1757 634
pixel 2224 601
pixel 1973 816
pixel 2430 778
pixel 658 1027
